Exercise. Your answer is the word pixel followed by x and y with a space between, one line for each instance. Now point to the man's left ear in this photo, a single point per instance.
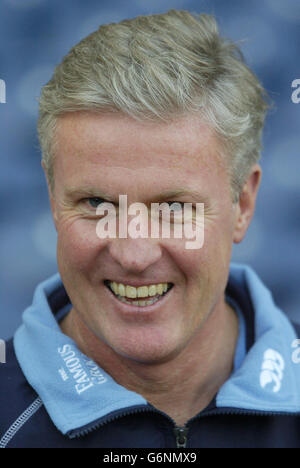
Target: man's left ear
pixel 246 203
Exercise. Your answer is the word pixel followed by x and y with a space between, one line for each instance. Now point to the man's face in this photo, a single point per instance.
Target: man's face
pixel 110 155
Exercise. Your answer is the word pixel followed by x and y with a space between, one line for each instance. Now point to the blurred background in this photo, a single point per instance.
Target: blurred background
pixel 36 34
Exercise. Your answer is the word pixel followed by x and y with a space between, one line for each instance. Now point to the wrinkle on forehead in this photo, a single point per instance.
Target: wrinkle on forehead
pixel 134 143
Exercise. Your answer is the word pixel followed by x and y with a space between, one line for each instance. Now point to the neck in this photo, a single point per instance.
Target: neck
pixel 182 386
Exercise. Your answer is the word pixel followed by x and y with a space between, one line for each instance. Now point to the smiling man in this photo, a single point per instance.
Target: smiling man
pixel 148 348
pixel 140 341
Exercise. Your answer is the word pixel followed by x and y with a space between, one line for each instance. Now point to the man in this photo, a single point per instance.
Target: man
pixel 140 341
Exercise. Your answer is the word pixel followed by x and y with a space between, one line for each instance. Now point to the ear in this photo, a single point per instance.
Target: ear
pixel 51 196
pixel 246 203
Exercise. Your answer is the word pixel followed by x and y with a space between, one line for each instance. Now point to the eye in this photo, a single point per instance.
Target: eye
pixel 95 201
pixel 176 206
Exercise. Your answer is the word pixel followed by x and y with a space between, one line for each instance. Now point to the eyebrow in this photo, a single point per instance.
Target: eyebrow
pixel 86 191
pixel 192 194
pixel 165 195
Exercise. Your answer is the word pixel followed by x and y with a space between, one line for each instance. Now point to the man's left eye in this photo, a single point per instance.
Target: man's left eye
pixel 95 201
pixel 176 206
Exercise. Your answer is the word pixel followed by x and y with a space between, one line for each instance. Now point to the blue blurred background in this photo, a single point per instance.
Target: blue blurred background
pixel 36 34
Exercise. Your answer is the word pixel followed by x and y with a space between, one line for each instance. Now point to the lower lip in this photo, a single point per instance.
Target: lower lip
pixel 136 309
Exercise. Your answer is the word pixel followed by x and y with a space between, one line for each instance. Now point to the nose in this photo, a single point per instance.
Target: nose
pixel 135 255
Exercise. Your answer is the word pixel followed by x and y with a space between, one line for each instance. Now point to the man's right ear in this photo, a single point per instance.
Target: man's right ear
pixel 51 196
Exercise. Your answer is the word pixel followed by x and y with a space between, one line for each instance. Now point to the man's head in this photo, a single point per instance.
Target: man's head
pixel 160 109
pixel 159 68
pixel 102 156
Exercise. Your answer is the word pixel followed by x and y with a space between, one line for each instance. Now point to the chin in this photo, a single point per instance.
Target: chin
pixel 147 351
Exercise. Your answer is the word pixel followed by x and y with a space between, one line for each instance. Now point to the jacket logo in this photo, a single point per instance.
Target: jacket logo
pixel 272 369
pixel 85 372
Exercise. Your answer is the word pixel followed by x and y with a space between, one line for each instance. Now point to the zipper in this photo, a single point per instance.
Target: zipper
pixel 84 430
pixel 181 436
pixel 180 432
pixel 239 411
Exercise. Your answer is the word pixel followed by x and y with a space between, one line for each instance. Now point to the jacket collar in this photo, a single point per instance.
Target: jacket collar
pixel 76 391
pixel 269 378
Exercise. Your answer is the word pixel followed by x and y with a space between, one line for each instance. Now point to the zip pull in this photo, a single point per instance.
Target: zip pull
pixel 181 436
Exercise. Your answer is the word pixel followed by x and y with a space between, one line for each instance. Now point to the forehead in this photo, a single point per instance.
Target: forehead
pixel 166 152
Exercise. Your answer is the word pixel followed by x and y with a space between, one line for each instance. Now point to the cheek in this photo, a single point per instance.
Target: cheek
pixel 77 244
pixel 210 262
pixel 216 254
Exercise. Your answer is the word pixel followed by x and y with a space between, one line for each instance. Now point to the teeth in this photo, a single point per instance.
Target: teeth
pixel 114 287
pixel 143 303
pixel 139 303
pixel 121 289
pixel 131 292
pixel 141 292
pixel 152 290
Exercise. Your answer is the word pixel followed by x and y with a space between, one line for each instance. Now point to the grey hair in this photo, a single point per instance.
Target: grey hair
pixel 157 68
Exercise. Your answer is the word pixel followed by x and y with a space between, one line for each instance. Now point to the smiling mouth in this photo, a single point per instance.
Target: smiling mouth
pixel 142 296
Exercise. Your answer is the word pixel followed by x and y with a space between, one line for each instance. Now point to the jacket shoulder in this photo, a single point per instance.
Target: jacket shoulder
pixel 296 327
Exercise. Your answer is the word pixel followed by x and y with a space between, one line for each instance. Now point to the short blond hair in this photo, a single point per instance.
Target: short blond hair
pixel 160 67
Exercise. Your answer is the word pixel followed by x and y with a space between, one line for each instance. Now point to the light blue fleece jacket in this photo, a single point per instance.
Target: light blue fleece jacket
pixel 76 391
